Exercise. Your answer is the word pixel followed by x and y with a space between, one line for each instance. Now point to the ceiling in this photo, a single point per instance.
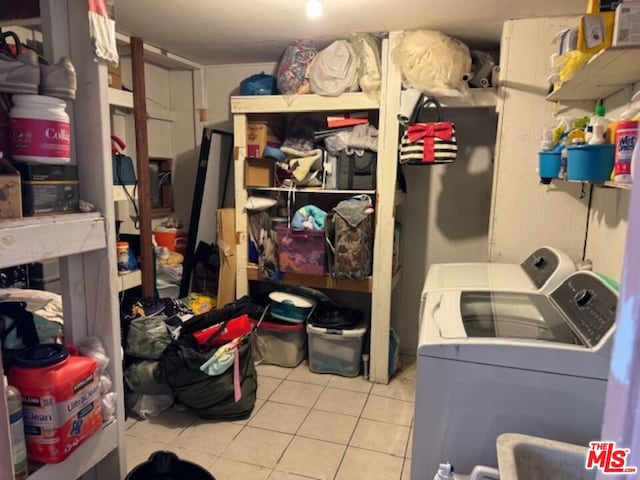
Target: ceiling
pixel 218 32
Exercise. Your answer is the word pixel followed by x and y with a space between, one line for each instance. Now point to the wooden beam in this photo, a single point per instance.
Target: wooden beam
pixel 142 163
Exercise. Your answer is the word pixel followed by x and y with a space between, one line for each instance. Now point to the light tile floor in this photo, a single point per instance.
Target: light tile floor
pixel 304 426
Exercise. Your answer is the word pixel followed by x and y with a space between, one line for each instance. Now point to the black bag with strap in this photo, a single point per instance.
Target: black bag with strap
pixel 212 397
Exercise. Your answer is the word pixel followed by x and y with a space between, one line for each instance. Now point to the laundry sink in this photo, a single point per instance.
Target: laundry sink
pixel 523 457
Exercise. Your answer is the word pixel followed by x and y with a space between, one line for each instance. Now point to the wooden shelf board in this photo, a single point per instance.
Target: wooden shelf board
pixel 120 98
pixel 607 72
pixel 33 239
pixel 88 454
pixel 621 186
pixel 478 97
pixel 313 190
pixel 302 103
pixel 315 281
pixel 129 280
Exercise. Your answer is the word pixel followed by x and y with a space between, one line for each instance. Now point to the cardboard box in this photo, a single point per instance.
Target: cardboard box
pixel 49 197
pixel 10 191
pixel 626 31
pixel 259 172
pixel 226 225
pixel 259 135
pixel 115 76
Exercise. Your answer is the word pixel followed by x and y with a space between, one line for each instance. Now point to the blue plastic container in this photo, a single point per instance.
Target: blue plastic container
pixel 548 166
pixel 590 163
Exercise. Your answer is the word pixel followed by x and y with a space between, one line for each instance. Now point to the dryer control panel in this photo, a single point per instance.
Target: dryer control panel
pixel 589 304
pixel 540 265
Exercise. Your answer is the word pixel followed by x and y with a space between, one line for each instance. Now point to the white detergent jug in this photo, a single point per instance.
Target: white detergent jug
pixel 479 472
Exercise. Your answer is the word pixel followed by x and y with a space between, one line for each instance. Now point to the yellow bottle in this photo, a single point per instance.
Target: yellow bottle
pixel 595 30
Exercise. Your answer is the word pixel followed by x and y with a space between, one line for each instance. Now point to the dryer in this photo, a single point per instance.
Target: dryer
pixel 491 362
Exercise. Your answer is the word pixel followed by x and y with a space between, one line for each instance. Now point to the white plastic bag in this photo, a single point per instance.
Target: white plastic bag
pixel 334 70
pixel 433 62
pixel 367 50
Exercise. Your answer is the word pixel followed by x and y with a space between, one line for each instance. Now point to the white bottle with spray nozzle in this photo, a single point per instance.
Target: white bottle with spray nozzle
pixel 596 132
pixel 479 472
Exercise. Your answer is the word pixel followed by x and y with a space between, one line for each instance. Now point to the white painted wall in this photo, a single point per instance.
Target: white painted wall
pixel 173 90
pixel 526 215
pixel 224 81
pixel 445 216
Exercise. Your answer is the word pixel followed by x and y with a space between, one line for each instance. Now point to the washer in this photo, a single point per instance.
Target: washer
pixel 542 271
pixel 491 362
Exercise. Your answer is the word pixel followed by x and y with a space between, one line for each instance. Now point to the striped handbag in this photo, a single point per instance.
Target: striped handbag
pixel 428 143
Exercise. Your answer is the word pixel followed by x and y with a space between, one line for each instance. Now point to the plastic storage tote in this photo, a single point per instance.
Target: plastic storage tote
pixel 281 344
pixel 335 351
pixel 301 251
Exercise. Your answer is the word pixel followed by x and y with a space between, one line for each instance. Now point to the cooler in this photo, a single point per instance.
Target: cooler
pixel 335 351
pixel 175 239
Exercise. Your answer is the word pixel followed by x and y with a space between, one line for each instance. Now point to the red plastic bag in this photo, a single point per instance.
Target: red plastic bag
pixel 236 327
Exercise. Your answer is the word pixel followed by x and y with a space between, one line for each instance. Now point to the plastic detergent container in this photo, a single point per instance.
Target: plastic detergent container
pixel 16 429
pixel 60 400
pixel 40 130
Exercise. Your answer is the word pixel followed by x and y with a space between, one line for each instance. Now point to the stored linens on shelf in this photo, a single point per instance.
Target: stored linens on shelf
pixel 433 62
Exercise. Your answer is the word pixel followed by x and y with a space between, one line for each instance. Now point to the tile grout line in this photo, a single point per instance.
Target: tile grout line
pixel 324 387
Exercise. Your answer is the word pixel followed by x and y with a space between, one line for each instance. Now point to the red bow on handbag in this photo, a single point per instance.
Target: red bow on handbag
pixel 428 132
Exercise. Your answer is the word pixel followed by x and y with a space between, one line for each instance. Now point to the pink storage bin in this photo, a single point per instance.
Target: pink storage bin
pixel 301 251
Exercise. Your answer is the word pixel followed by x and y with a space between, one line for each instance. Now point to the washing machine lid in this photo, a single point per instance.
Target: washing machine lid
pixel 543 270
pixel 497 276
pixel 512 315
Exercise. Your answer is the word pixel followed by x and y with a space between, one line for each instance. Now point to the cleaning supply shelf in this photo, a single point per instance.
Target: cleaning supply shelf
pixel 607 72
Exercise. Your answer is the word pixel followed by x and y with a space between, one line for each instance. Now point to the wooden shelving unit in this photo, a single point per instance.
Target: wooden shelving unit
pixel 609 71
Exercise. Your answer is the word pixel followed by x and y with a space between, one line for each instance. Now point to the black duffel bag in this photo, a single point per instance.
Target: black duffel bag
pixel 210 397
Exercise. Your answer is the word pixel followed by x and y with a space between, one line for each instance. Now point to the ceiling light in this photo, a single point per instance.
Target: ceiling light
pixel 314 8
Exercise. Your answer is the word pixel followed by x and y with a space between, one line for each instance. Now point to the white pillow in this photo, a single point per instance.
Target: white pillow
pixel 260 203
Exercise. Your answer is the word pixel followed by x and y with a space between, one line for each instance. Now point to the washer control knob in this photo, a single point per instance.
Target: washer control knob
pixel 582 297
pixel 539 262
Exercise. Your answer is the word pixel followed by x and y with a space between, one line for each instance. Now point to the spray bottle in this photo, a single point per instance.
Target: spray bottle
pixel 596 131
pixel 479 472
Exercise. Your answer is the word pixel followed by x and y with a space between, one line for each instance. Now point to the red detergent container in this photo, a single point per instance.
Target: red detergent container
pixel 60 400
